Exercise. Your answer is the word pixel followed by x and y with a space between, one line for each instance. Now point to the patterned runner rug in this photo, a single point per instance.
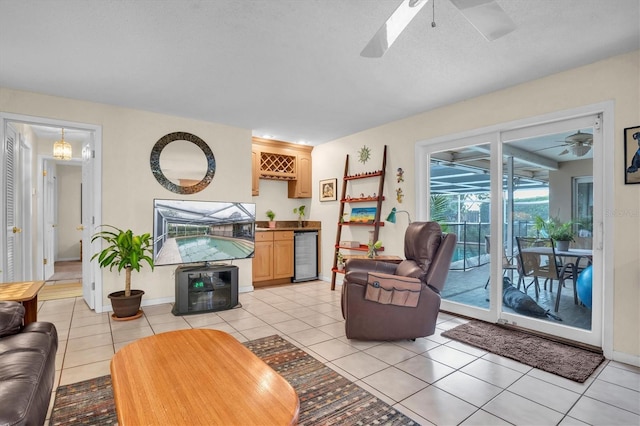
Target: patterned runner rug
pixel 326 397
pixel 553 357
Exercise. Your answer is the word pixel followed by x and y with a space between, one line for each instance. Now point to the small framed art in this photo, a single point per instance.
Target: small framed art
pixel 363 215
pixel 329 190
pixel 632 155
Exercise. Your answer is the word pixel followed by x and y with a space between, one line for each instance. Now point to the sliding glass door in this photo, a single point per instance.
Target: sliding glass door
pixel 548 198
pixel 459 187
pixel 501 189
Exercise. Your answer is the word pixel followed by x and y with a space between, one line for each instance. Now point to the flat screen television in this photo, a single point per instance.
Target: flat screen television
pixel 187 232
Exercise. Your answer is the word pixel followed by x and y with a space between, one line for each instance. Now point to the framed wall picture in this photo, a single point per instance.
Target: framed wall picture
pixel 329 189
pixel 632 155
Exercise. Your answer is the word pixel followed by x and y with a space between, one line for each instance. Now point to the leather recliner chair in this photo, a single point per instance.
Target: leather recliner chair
pixel 428 254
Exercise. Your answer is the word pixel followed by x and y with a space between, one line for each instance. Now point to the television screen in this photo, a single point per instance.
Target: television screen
pixel 202 231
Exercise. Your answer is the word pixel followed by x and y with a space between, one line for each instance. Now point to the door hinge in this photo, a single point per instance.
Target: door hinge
pixel 44 173
pixel 93 285
pixel 93 153
pixel 44 261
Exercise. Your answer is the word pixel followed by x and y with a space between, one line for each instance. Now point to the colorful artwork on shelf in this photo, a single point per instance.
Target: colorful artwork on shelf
pixel 363 215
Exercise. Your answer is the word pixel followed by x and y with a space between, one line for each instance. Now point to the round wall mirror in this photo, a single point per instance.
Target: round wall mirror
pixel 178 163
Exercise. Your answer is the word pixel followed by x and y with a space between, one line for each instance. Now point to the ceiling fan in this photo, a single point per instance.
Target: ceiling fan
pixel 485 15
pixel 579 144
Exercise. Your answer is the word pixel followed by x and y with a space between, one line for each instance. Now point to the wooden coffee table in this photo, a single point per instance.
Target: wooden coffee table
pixel 196 377
pixel 25 292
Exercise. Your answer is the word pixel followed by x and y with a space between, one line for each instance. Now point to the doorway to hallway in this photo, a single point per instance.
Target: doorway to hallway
pixel 36 137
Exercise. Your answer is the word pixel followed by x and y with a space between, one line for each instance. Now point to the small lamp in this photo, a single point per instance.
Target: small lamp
pixel 392 215
pixel 62 149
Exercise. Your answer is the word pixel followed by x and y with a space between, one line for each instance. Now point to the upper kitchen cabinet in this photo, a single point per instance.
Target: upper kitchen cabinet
pixel 277 160
pixel 301 187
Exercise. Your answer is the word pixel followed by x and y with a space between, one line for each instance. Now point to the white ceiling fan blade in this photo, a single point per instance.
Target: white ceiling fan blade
pixel 487 17
pixel 390 30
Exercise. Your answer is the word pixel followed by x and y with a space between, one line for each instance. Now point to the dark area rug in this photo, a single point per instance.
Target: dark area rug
pixel 563 360
pixel 326 398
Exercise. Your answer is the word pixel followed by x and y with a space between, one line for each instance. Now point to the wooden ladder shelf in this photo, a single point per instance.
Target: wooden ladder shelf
pixel 376 224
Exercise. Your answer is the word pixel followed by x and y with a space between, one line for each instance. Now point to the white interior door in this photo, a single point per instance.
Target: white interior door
pixel 12 258
pixel 88 170
pixel 49 218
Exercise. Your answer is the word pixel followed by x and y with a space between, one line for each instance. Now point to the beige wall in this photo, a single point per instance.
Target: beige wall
pixel 128 186
pixel 614 79
pixel 274 196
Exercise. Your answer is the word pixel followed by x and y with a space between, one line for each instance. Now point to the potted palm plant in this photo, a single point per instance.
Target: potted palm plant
pixel 560 232
pixel 126 251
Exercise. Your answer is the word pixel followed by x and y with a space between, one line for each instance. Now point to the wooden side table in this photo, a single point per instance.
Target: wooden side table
pixel 25 292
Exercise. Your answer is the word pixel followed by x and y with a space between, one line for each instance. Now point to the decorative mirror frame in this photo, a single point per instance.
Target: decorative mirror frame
pixel 162 179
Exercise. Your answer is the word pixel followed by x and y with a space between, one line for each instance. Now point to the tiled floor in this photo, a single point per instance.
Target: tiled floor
pixel 433 380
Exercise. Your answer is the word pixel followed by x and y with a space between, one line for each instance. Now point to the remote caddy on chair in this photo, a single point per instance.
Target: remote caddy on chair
pixel 388 301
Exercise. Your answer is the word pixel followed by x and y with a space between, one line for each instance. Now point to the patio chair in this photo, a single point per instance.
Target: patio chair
pixel 509 263
pixel 538 259
pixel 388 301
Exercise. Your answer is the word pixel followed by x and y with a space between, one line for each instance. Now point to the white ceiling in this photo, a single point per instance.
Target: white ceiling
pixel 291 68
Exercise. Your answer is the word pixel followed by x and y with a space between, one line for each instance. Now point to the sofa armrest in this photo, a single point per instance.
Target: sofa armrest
pixel 44 328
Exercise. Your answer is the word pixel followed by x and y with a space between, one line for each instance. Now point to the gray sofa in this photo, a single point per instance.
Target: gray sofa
pixel 27 367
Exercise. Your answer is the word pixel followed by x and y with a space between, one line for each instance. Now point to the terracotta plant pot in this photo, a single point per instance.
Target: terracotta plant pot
pixel 123 306
pixel 272 224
